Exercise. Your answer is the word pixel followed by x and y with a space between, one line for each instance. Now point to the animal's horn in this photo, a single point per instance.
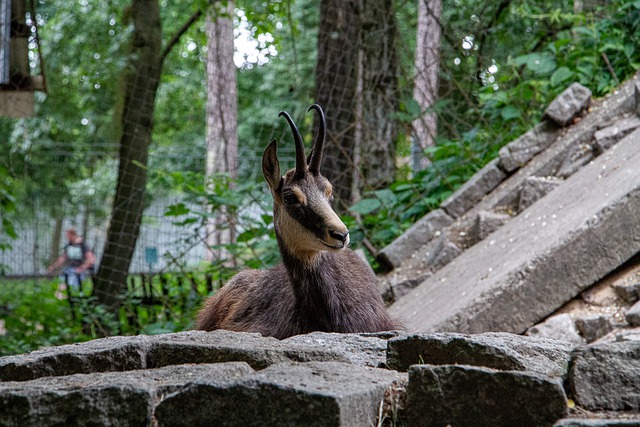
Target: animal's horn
pixel 301 163
pixel 318 145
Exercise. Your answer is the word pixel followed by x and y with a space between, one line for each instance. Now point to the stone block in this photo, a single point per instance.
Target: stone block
pixel 548 162
pixel 559 327
pixel 419 234
pixel 494 350
pixel 474 190
pixel 472 396
pixel 155 351
pixel 568 104
pixel 600 422
pixel 632 316
pixel 576 158
pixel 593 327
pixel 606 376
pixel 487 222
pixel 357 349
pixel 226 346
pixel 607 137
pixel 309 394
pixel 106 398
pixel 535 188
pixel 540 259
pixel 629 292
pixel 102 355
pixel 519 151
pixel 441 253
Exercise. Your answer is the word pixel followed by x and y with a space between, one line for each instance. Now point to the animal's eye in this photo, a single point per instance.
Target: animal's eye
pixel 290 199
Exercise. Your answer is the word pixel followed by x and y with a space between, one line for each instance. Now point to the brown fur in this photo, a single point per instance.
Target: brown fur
pixel 320 285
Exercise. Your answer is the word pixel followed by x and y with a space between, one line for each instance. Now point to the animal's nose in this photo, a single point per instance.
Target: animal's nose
pixel 339 235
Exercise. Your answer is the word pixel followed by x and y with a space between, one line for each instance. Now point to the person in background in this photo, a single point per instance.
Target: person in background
pixel 76 260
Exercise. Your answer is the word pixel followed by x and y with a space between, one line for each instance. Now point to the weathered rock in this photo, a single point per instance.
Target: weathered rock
pixel 541 259
pixel 105 399
pixel 494 350
pixel 102 355
pixel 416 236
pixel 568 104
pixel 606 376
pixel 581 422
pixel 486 223
pixel 630 292
pixel 534 188
pixel 548 162
pixel 558 327
pixel 575 159
pixel 632 334
pixel 593 327
pixel 141 352
pixel 607 137
pixel 441 253
pixel 358 349
pixel 518 152
pixel 633 315
pixel 395 286
pixel 473 190
pixel 225 346
pixel 472 396
pixel 309 394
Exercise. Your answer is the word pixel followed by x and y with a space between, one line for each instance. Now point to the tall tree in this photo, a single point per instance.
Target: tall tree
pixel 222 118
pixel 378 99
pixel 336 84
pixel 425 90
pixel 356 75
pixel 141 83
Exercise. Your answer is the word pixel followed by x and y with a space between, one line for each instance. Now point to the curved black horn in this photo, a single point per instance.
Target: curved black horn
pixel 301 162
pixel 318 145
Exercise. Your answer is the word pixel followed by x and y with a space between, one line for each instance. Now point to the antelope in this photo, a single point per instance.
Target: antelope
pixel 320 285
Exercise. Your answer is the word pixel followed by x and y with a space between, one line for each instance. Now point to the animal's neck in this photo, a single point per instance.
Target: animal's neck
pixel 317 301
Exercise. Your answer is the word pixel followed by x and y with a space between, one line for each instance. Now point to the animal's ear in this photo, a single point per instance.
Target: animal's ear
pixel 270 166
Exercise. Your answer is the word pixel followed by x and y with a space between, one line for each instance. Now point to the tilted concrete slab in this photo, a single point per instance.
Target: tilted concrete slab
pixel 541 259
pixel 547 163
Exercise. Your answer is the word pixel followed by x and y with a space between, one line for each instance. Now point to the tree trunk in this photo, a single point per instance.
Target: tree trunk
pixel 336 82
pixel 379 74
pixel 356 84
pixel 55 241
pixel 222 121
pixel 425 91
pixel 141 84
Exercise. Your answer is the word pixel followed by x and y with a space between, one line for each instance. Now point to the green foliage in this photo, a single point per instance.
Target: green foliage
pixel 154 304
pixel 34 318
pixel 501 66
pixel 247 206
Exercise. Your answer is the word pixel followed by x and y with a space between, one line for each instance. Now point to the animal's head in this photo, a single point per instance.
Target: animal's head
pixel 303 216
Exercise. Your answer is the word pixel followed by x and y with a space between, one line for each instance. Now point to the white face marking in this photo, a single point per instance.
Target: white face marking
pixel 313 204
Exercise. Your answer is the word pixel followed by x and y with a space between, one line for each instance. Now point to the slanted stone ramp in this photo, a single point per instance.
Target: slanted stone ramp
pixel 586 227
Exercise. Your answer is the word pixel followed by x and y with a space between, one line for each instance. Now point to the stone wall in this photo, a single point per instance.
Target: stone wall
pixel 238 379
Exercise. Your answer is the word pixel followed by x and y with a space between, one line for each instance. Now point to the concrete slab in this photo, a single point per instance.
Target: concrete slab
pixel 541 259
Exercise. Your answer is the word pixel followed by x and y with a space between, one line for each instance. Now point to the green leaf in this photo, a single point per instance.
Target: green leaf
pixel 177 210
pixel 366 206
pixel 510 112
pixel 561 75
pixel 386 196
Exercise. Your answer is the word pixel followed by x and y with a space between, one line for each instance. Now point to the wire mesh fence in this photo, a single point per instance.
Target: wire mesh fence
pixel 404 128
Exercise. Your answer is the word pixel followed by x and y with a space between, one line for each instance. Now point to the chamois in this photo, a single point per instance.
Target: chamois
pixel 320 285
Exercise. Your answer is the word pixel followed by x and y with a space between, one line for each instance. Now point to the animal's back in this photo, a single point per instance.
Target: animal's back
pixel 253 301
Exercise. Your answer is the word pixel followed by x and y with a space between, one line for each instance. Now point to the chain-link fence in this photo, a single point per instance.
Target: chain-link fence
pixel 492 70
